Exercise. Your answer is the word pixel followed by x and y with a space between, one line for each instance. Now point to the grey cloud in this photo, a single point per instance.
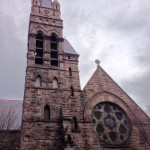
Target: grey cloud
pixel 128 21
pixel 139 89
pixel 13 53
pixel 96 28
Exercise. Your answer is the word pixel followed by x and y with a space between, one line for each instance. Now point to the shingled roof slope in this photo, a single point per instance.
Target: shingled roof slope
pixel 10 104
pixel 68 48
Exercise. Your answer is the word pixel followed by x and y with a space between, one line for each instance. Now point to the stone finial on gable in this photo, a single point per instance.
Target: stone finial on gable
pixel 97 61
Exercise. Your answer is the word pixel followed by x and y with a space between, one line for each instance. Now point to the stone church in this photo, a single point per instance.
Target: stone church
pixel 57 114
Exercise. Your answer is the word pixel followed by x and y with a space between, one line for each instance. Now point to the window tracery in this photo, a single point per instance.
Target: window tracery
pixel 111 123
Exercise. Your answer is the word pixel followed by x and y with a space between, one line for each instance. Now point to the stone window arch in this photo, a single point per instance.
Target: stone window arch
pixel 54 49
pixel 55 82
pixel 38 82
pixel 69 143
pixel 39 49
pixel 46 112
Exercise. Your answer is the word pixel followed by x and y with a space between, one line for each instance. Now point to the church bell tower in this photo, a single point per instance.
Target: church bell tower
pixel 52 87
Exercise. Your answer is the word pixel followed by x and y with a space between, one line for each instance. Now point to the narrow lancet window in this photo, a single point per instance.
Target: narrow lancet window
pixel 55 83
pixel 38 81
pixel 39 49
pixel 75 125
pixel 72 91
pixel 54 50
pixel 47 113
pixel 70 71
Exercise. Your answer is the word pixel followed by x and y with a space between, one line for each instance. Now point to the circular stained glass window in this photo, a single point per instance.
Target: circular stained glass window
pixel 111 123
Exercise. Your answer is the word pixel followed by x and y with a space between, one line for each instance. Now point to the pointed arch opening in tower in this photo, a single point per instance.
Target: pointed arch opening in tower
pixel 38 82
pixel 72 91
pixel 39 49
pixel 54 50
pixel 69 142
pixel 55 83
pixel 46 112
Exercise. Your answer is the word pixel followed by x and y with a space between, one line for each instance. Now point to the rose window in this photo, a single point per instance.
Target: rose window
pixel 111 123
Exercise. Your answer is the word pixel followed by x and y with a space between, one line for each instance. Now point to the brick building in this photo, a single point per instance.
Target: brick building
pixel 57 114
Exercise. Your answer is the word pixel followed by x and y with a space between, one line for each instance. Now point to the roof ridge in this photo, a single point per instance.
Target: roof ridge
pixel 11 100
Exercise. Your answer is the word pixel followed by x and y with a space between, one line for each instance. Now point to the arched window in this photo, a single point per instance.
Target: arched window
pixel 38 81
pixel 39 49
pixel 47 113
pixel 54 50
pixel 69 141
pixel 55 83
pixel 72 91
pixel 70 71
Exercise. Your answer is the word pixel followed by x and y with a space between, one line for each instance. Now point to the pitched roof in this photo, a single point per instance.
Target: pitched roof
pixel 10 104
pixel 68 48
pixel 100 82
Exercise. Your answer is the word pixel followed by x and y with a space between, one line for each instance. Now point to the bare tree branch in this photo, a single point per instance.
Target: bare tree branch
pixel 9 129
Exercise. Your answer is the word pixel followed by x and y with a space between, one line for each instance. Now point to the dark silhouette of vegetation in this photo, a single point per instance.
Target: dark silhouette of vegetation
pixel 9 129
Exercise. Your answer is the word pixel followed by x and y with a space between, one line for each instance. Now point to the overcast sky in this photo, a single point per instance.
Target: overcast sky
pixel 115 31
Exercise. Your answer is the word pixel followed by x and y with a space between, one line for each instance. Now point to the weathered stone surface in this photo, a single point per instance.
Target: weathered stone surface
pixel 70 126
